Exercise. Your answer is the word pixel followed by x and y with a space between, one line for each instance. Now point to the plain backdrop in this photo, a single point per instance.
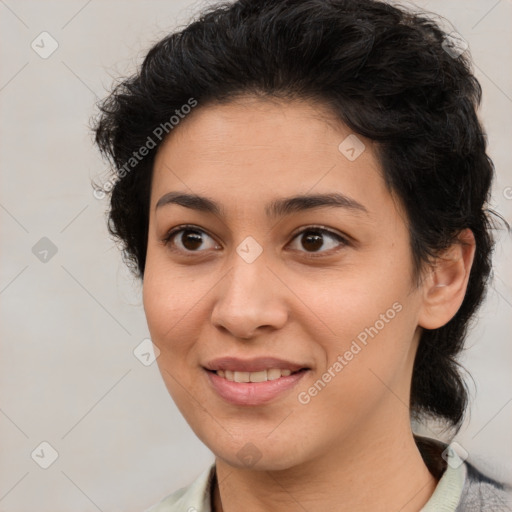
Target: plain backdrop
pixel 71 314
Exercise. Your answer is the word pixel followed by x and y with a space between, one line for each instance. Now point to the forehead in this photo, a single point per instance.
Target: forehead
pixel 251 149
pixel 249 123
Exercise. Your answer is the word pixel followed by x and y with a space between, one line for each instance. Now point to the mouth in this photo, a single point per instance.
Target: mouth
pixel 265 366
pixel 259 376
pixel 253 382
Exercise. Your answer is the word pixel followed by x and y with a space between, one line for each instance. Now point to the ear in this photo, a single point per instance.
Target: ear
pixel 446 281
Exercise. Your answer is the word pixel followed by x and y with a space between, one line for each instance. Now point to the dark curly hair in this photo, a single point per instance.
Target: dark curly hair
pixel 385 72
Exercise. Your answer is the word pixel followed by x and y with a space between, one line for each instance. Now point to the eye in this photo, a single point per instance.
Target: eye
pixel 191 239
pixel 313 239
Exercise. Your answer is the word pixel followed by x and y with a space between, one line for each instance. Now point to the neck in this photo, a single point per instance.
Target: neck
pixel 386 473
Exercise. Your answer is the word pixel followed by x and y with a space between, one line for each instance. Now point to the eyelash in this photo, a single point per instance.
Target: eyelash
pixel 313 255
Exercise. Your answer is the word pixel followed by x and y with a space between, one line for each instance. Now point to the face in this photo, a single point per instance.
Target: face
pixel 312 301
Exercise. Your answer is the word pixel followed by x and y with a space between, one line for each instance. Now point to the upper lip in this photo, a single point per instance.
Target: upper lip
pixel 256 364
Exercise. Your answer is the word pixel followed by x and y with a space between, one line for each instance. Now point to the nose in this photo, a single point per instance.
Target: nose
pixel 250 298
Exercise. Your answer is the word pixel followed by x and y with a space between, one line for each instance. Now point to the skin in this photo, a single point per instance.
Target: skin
pixel 351 447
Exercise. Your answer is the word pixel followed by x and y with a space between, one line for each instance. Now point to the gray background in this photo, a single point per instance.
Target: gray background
pixel 69 325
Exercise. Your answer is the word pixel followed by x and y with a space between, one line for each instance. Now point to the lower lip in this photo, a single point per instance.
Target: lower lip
pixel 253 393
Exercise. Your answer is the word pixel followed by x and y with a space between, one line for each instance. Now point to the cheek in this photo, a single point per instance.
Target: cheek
pixel 361 301
pixel 169 295
pixel 174 303
pixel 366 329
pixel 168 304
pixel 367 367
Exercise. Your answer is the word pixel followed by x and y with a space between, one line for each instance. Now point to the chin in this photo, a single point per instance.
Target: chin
pixel 258 456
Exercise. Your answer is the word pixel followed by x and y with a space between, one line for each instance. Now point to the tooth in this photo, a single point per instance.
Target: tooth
pixel 261 376
pixel 273 374
pixel 258 376
pixel 242 377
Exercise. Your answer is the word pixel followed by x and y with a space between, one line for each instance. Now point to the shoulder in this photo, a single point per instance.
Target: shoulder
pixel 482 493
pixel 466 487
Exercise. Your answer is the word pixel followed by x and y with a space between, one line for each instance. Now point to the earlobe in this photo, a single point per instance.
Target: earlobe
pixel 446 282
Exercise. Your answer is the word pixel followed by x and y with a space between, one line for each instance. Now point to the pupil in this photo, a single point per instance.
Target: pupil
pixel 316 240
pixel 194 237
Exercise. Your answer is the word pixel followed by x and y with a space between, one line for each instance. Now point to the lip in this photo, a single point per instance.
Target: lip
pixel 256 364
pixel 253 393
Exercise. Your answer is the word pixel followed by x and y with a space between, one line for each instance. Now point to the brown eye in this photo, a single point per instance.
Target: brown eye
pixel 189 239
pixel 315 239
pixel 312 241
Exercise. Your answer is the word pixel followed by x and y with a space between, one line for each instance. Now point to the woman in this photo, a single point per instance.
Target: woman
pixel 302 188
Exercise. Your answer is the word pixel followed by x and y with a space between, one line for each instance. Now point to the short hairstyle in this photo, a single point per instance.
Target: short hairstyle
pixel 384 72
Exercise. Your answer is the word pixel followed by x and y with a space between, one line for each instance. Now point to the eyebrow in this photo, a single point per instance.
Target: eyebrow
pixel 276 208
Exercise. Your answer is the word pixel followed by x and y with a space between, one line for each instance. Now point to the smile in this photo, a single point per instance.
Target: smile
pixel 254 388
pixel 261 376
